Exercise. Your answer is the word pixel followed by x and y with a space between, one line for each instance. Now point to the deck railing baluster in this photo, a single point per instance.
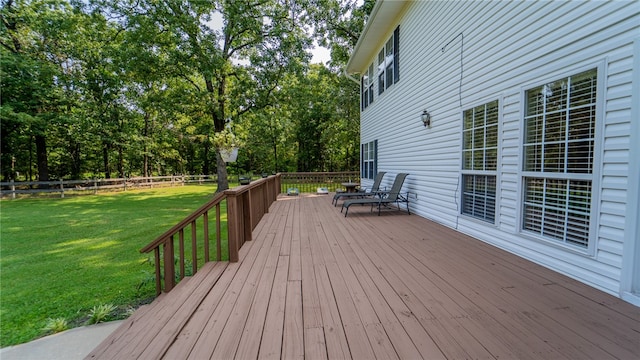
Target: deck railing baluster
pixel 218 235
pixel 205 218
pixel 181 245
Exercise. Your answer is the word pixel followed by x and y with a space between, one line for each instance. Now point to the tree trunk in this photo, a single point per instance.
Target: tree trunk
pixel 120 162
pixel 41 156
pixel 105 160
pixel 145 159
pixel 205 159
pixel 275 155
pixel 76 161
pixel 217 114
pixel 223 182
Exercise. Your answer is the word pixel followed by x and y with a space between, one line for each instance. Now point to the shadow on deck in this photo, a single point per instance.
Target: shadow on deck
pixel 313 284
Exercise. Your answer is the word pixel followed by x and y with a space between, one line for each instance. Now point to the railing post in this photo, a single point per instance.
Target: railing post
pixel 233 225
pixel 61 189
pixel 169 266
pixel 205 219
pixel 95 186
pixel 13 189
pixel 156 253
pixel 247 217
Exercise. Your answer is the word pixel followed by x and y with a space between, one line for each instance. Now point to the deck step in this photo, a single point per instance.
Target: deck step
pixel 152 328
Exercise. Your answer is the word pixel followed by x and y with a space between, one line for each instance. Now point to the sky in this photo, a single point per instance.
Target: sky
pixel 320 54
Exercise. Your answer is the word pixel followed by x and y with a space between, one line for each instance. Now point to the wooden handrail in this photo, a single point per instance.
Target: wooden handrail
pixel 218 198
pixel 246 205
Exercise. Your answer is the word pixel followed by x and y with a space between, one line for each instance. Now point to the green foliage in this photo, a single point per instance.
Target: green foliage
pixel 55 325
pixel 100 313
pixel 60 257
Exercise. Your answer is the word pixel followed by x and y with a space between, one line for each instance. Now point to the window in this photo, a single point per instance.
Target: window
pixel 366 85
pixel 559 126
pixel 389 62
pixel 381 67
pixel 369 160
pixel 479 161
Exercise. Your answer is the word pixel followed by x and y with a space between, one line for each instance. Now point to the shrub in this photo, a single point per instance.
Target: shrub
pixel 55 325
pixel 100 313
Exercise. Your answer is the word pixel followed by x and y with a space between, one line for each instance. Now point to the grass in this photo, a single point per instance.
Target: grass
pixel 61 258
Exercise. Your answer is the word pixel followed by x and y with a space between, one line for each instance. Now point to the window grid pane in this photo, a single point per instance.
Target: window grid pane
pixel 558 209
pixel 560 125
pixel 479 196
pixel 381 67
pixel 480 137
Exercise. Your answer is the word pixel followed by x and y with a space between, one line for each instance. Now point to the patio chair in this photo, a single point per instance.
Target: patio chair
pixel 384 199
pixel 374 189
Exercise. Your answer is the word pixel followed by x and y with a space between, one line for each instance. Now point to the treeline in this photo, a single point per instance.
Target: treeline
pixel 139 88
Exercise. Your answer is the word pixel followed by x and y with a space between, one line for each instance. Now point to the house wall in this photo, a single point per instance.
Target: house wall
pixel 455 55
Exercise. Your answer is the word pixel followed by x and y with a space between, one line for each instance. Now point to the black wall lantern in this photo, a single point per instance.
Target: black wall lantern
pixel 426 118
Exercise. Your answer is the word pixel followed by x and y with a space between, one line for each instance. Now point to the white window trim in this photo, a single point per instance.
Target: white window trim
pixel 598 151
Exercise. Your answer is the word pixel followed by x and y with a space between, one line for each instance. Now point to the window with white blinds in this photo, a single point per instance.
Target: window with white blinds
pixel 559 142
pixel 479 161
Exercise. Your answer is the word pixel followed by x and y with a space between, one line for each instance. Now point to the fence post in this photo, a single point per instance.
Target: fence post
pixel 95 186
pixel 61 189
pixel 124 183
pixel 13 189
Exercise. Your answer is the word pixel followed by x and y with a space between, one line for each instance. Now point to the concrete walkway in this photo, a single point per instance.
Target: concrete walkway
pixel 68 345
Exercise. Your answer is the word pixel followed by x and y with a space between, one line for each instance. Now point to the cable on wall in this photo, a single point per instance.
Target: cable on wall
pixel 444 48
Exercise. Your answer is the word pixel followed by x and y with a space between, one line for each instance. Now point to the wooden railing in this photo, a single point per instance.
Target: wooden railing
pixel 245 206
pixel 311 181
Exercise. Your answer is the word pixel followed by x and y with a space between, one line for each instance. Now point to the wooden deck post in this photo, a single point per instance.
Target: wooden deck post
pixel 233 224
pixel 169 267
pixel 247 217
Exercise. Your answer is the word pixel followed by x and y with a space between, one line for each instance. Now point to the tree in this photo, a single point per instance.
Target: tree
pixel 234 68
pixel 337 25
pixel 31 35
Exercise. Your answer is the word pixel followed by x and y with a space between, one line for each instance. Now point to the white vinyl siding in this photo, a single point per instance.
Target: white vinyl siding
pixel 508 48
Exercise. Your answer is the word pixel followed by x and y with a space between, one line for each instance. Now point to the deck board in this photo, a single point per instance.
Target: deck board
pixel 314 284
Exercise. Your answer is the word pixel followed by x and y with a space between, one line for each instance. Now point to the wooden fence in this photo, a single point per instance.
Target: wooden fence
pixel 245 205
pixel 93 186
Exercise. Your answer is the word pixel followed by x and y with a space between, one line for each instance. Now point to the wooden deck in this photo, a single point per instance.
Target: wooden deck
pixel 313 284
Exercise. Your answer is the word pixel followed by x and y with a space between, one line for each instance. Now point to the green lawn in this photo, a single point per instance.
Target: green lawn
pixel 62 257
